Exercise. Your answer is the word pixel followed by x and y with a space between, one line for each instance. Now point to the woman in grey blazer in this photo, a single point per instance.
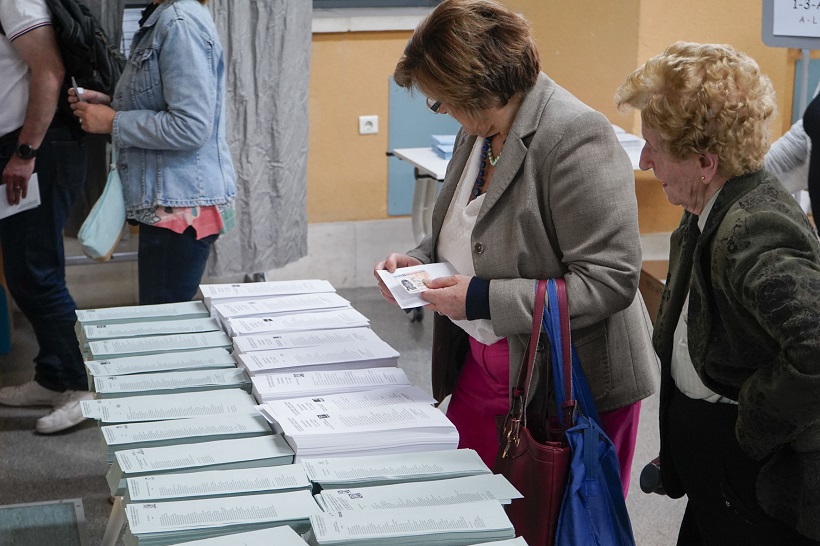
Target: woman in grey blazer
pixel 738 330
pixel 538 187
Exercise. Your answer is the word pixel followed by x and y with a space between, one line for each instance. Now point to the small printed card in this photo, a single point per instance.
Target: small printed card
pixel 407 283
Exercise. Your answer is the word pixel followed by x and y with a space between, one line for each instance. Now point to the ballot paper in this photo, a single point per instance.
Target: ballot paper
pixel 30 201
pixel 454 525
pixel 216 483
pixel 344 356
pixel 419 494
pixel 113 386
pixel 370 470
pixel 511 542
pixel 281 386
pixel 142 313
pixel 293 340
pixel 407 283
pixel 387 421
pixel 98 332
pixel 165 523
pixel 116 348
pixel 276 536
pixel 159 407
pixel 279 306
pixel 182 360
pixel 213 294
pixel 216 455
pixel 347 401
pixel 182 431
pixel 316 320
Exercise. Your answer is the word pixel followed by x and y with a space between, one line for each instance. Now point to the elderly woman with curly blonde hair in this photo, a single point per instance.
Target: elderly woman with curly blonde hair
pixel 738 331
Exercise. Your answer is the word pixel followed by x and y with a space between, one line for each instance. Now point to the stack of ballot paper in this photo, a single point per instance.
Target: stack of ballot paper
pixel 159 407
pixel 166 523
pixel 276 536
pixel 185 360
pixel 315 320
pixel 112 386
pixel 453 525
pixel 214 294
pixel 631 144
pixel 418 494
pixel 216 455
pixel 511 542
pixel 216 483
pixel 149 345
pixel 281 305
pixel 371 470
pixel 398 420
pixel 443 145
pixel 281 386
pixel 345 356
pixel 310 338
pixel 140 313
pixel 99 332
pixel 182 431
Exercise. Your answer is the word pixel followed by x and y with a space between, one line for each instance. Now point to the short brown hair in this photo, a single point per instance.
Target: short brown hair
pixel 705 98
pixel 472 54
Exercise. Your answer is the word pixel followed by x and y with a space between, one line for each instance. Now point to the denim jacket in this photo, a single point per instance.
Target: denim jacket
pixel 170 120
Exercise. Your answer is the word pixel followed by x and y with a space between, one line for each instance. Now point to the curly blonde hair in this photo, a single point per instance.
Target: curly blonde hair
pixel 471 54
pixel 705 98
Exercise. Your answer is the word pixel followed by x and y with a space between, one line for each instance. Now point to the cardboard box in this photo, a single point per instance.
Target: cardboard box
pixel 651 283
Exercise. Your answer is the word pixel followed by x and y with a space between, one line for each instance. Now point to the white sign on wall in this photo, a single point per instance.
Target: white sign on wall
pixel 797 18
pixel 791 23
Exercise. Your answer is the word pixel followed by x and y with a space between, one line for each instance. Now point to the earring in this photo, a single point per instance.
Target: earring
pixel 703 178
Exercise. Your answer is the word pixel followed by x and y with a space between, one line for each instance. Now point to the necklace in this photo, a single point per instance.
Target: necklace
pixel 486 152
pixel 490 158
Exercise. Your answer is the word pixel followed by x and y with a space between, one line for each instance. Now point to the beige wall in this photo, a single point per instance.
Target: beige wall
pixel 589 52
pixel 347 172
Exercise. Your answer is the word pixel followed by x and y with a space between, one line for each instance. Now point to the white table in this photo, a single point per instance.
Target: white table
pixel 429 169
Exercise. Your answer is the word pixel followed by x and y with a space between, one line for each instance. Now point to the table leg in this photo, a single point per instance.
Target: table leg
pixel 115 523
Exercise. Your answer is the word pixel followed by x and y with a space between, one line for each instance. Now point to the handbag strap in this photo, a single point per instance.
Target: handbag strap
pixel 525 374
pixel 558 329
pixel 576 394
pixel 517 417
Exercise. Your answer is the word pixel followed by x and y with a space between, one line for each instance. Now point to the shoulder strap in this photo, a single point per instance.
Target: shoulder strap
pixel 521 389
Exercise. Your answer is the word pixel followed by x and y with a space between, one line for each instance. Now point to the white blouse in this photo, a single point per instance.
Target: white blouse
pixel 454 241
pixel 683 371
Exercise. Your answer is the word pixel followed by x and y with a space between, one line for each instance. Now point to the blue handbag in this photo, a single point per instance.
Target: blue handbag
pixel 593 510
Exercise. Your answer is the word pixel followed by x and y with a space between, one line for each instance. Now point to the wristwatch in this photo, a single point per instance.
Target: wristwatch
pixel 25 151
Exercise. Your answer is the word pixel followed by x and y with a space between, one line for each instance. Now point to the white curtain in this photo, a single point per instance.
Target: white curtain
pixel 267 53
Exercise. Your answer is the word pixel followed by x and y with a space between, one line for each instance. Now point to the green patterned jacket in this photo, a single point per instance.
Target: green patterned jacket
pixel 754 337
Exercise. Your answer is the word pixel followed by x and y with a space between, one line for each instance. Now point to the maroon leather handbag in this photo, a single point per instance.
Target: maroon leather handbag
pixel 534 457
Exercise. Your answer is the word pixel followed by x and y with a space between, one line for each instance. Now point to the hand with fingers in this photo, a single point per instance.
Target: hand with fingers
pixel 390 264
pixel 448 296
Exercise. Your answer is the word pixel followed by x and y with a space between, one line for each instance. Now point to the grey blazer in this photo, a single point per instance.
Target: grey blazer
pixel 561 203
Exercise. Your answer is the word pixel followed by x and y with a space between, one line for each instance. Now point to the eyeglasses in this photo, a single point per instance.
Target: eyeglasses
pixel 434 106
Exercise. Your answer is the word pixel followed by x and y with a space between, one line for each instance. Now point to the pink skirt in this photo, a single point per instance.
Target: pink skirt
pixel 482 394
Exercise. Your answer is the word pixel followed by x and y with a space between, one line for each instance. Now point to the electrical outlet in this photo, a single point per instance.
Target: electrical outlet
pixel 368 125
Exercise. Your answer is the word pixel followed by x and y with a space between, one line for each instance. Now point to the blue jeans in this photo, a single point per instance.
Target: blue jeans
pixel 34 260
pixel 170 264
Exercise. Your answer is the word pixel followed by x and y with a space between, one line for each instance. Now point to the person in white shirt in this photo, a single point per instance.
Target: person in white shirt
pixel 35 141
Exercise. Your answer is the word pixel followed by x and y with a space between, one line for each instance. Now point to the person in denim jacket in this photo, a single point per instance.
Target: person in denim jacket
pixel 167 117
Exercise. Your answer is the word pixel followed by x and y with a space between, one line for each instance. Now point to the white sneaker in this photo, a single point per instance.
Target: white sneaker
pixel 66 414
pixel 29 394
